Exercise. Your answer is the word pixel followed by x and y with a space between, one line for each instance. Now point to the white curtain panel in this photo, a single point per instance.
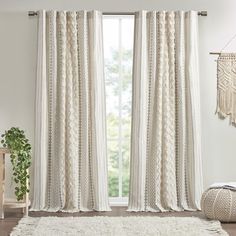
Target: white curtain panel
pixel 166 171
pixel 70 166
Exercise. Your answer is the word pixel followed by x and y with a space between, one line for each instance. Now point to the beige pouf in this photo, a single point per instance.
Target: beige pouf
pixel 219 204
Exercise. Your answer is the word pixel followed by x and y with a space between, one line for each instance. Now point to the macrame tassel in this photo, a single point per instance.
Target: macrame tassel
pixel 224 100
pixel 233 115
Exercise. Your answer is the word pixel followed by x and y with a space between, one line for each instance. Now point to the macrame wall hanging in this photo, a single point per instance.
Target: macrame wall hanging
pixel 226 84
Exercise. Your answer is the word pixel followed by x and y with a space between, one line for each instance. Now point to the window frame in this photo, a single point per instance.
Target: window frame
pixel 120 200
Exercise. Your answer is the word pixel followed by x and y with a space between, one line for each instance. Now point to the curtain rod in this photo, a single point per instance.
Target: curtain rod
pixel 35 13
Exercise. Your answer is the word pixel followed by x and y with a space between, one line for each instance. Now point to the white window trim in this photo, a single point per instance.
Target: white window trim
pixel 120 111
pixel 118 201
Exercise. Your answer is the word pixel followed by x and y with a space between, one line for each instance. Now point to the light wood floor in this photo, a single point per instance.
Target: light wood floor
pixel 13 216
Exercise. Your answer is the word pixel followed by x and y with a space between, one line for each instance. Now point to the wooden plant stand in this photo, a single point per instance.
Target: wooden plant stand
pixel 7 203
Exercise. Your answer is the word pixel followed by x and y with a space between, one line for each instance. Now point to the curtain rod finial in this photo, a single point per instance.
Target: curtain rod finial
pixel 32 13
pixel 202 13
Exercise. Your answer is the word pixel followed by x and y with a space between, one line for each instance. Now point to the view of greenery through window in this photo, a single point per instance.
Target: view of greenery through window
pixel 118 53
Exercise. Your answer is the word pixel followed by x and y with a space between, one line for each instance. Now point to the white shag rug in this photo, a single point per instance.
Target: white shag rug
pixel 117 226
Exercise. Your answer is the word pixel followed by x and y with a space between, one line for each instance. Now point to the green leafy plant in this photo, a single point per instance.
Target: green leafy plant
pixel 20 154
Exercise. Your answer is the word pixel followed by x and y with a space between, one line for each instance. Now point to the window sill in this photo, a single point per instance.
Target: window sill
pixel 117 201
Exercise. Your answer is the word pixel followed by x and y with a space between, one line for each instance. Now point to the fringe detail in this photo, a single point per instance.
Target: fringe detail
pixel 224 102
pixel 118 225
pixel 225 106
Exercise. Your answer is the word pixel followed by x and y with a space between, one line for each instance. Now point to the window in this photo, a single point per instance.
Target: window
pixel 118 53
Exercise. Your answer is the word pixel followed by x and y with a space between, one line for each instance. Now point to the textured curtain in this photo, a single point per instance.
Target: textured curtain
pixel 166 172
pixel 70 166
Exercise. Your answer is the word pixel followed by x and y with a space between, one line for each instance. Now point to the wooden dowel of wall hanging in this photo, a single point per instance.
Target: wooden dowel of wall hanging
pixel 215 53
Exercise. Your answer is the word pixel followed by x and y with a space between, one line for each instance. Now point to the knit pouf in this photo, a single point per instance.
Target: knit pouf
pixel 219 204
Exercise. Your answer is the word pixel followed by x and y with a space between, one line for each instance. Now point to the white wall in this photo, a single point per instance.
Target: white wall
pixel 18 63
pixel 17 75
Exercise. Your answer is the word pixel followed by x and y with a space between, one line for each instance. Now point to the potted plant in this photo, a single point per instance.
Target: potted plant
pixel 15 140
